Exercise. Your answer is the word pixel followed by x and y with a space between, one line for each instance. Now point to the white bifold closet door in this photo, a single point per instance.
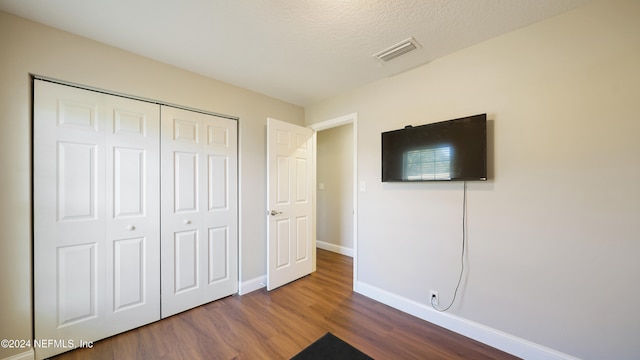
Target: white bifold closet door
pixel 106 205
pixel 199 209
pixel 96 215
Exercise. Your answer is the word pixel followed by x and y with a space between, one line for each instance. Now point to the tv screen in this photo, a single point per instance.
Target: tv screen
pixel 443 151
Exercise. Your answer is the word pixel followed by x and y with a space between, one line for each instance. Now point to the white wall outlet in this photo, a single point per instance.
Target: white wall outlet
pixel 433 298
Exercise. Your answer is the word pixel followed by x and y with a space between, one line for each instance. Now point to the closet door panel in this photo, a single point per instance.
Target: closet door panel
pixel 181 256
pixel 133 213
pixel 129 188
pixel 199 211
pixel 221 149
pixel 218 252
pixel 186 246
pixel 186 182
pixel 69 215
pixel 129 258
pixel 77 284
pixel 96 214
pixel 77 175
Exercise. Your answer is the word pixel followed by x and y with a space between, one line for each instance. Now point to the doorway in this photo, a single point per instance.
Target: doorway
pixel 336 186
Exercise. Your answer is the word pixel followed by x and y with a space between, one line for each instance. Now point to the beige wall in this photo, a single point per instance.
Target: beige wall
pixel 554 235
pixel 27 47
pixel 334 216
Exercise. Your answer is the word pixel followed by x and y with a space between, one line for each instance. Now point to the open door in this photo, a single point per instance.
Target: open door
pixel 290 186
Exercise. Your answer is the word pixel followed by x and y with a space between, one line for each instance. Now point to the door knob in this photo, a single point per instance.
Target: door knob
pixel 187 222
pixel 274 213
pixel 131 227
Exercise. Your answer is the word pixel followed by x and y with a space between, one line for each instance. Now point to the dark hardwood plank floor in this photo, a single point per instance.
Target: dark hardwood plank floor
pixel 280 323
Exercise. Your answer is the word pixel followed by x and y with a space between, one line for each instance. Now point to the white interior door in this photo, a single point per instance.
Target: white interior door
pixel 96 215
pixel 290 186
pixel 199 209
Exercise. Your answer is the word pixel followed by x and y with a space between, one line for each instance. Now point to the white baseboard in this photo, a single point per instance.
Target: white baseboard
pixel 500 340
pixel 27 355
pixel 252 285
pixel 335 248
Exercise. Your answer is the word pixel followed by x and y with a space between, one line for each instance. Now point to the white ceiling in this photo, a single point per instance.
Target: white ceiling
pixel 300 51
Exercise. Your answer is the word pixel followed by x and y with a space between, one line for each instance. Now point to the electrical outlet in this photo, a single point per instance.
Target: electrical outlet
pixel 433 298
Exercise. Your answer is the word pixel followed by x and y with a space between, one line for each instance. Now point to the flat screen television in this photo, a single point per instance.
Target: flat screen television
pixel 443 151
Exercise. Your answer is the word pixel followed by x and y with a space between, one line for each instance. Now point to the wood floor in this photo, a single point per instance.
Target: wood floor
pixel 280 323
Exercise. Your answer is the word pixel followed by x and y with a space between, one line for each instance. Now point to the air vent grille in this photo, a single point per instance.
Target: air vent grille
pixel 396 50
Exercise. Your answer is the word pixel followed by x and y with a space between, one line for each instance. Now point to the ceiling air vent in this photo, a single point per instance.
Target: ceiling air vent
pixel 396 50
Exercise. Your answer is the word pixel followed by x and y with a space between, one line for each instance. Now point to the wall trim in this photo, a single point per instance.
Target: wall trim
pixel 334 248
pixel 251 285
pixel 27 355
pixel 495 338
pixel 335 122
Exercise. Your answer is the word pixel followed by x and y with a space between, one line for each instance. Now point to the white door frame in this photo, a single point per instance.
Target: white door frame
pixel 328 124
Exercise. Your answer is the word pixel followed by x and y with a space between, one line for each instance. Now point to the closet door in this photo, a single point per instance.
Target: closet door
pixel 96 215
pixel 199 209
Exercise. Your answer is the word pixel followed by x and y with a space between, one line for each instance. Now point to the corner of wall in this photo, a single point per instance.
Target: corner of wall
pixel 335 248
pixel 252 285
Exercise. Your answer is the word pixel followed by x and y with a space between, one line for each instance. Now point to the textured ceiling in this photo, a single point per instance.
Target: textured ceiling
pixel 300 51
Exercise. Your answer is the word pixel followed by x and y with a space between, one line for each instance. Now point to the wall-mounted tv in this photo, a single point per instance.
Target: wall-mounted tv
pixel 443 151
